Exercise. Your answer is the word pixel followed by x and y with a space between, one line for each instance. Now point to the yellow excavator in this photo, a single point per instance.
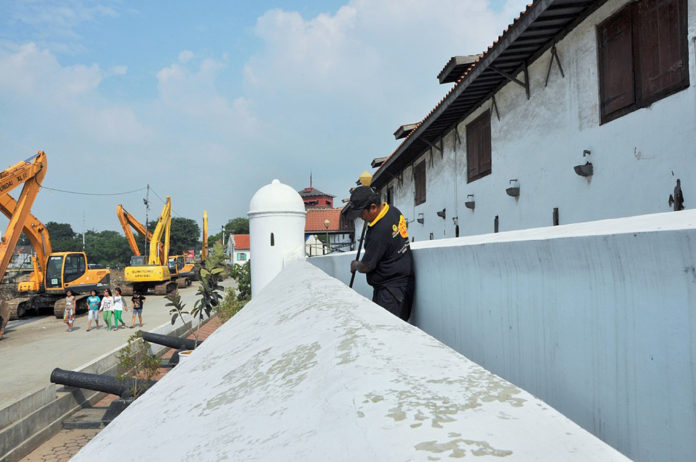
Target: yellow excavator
pixel 185 269
pixel 53 272
pixel 152 274
pixel 204 249
pixel 180 270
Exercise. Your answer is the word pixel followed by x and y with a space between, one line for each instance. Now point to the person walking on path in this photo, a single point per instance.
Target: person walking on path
pixel 107 307
pixel 93 313
pixel 388 261
pixel 69 312
pixel 138 301
pixel 119 306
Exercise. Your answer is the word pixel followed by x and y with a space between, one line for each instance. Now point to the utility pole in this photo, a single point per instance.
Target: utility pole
pixel 147 214
pixel 84 230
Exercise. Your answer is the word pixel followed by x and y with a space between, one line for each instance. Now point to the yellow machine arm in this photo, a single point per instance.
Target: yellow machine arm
pixel 31 173
pixel 204 250
pixel 37 234
pixel 163 228
pixel 128 221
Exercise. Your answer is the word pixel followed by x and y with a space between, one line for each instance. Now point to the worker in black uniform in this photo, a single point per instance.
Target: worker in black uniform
pixel 387 262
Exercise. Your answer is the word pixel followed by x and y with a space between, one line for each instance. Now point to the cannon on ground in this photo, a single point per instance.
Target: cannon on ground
pixel 96 382
pixel 170 341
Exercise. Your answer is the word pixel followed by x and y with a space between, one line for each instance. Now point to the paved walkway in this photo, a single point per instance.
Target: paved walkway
pixel 32 348
pixel 66 443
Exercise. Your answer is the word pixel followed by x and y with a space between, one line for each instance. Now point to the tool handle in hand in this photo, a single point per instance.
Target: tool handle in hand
pixel 362 236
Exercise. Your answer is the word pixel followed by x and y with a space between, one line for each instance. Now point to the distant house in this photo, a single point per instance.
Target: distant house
pixel 314 198
pixel 240 249
pixel 21 258
pixel 581 110
pixel 339 231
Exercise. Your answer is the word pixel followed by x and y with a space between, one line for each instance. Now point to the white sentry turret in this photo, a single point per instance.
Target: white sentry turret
pixel 276 231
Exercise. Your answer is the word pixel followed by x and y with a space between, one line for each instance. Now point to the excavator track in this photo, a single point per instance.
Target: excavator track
pixel 17 307
pixel 4 316
pixel 165 288
pixel 80 305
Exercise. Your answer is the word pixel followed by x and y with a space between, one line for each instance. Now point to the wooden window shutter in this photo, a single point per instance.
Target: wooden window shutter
pixel 663 51
pixel 478 147
pixel 485 143
pixel 472 153
pixel 616 77
pixel 419 176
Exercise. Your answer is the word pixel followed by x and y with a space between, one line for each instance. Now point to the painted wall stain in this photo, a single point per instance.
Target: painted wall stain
pixel 457 448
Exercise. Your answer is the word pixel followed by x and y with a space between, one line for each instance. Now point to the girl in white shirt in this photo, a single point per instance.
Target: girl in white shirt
pixel 107 307
pixel 119 305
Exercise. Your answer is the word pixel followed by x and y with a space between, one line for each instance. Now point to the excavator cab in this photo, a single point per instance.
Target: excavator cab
pixel 138 260
pixel 64 268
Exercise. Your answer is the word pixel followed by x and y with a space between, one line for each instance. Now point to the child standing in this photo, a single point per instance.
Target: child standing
pixel 119 305
pixel 107 307
pixel 69 313
pixel 93 313
pixel 138 301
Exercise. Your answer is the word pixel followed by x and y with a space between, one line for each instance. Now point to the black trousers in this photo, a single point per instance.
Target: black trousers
pixel 396 298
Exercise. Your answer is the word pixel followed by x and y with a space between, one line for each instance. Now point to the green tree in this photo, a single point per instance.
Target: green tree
pixel 63 238
pixel 107 248
pixel 239 225
pixel 210 292
pixel 185 234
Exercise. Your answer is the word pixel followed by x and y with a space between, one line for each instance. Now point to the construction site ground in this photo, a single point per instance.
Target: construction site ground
pixel 66 443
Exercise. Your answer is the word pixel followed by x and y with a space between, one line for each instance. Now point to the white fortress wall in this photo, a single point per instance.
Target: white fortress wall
pixel 310 370
pixel 637 158
pixel 597 318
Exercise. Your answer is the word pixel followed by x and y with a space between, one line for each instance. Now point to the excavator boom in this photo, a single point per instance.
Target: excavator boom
pixel 128 223
pixel 162 229
pixel 37 234
pixel 204 250
pixel 31 174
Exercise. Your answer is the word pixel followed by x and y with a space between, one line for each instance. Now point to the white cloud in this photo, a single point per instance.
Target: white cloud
pixel 192 91
pixel 185 56
pixel 55 22
pixel 65 95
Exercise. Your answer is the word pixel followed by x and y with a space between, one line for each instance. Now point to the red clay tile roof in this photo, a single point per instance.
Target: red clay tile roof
pixel 312 192
pixel 314 222
pixel 241 241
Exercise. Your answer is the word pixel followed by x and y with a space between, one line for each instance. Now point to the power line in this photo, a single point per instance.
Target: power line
pixel 91 194
pixel 164 202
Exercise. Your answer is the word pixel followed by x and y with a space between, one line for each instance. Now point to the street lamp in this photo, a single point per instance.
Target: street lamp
pixel 326 225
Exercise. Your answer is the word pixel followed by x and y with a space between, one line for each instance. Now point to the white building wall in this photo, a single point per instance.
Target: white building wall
pixel 595 318
pixel 637 158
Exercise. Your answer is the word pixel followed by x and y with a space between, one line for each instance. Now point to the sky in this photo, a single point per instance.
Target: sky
pixel 208 101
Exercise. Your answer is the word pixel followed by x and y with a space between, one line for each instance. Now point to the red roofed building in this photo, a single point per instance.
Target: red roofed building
pixel 240 249
pixel 314 198
pixel 340 233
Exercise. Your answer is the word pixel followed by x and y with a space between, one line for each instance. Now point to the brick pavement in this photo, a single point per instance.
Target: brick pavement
pixel 66 443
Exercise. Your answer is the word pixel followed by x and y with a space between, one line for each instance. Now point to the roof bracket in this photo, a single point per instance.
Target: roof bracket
pixel 432 145
pixel 494 105
pixel 554 55
pixel 457 139
pixel 511 78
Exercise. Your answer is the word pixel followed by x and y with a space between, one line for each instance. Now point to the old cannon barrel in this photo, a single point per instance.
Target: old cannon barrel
pixel 104 383
pixel 170 340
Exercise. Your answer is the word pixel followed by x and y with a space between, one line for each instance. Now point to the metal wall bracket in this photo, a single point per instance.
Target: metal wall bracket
pixel 554 56
pixel 434 146
pixel 494 105
pixel 514 79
